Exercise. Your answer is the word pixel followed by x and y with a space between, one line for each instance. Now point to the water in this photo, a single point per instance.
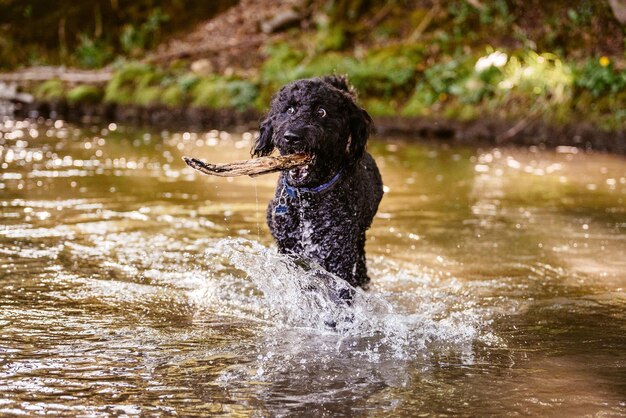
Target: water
pixel 131 285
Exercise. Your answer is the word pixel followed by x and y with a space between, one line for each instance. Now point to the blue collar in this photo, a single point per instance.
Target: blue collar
pixel 293 191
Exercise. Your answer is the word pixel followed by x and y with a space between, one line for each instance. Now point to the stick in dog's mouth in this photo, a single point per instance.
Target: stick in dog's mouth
pixel 253 167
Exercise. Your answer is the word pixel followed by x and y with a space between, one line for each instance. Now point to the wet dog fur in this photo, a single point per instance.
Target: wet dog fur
pixel 321 212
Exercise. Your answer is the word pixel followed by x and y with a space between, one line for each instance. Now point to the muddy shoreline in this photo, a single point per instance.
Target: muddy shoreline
pixel 486 131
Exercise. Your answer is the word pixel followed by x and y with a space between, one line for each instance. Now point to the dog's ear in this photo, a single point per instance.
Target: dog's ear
pixel 360 125
pixel 264 145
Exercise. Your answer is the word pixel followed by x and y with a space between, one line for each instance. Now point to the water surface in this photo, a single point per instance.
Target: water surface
pixel 131 285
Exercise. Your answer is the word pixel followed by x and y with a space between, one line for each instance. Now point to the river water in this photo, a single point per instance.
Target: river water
pixel 132 286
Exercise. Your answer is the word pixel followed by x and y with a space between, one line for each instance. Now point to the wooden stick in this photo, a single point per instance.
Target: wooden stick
pixel 253 167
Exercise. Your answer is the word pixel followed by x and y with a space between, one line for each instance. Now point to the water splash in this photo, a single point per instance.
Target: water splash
pixel 255 282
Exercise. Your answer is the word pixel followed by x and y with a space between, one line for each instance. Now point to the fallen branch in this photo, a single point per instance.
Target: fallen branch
pixel 60 73
pixel 253 167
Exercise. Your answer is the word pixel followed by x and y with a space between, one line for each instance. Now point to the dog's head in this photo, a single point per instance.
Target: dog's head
pixel 317 116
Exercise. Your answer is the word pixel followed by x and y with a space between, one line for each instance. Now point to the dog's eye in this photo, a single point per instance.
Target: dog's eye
pixel 291 110
pixel 321 112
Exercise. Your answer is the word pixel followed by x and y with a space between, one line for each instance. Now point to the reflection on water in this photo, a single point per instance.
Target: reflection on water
pixel 131 285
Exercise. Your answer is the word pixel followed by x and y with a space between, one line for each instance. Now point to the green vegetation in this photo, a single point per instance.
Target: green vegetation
pixel 130 82
pixel 50 90
pixel 85 94
pixel 220 92
pixel 143 84
pixel 135 39
pixel 466 87
pixel 92 53
pixel 459 59
pixel 91 34
pixel 600 77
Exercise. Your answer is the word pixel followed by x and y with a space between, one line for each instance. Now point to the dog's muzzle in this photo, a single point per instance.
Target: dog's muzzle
pixel 292 138
pixel 294 141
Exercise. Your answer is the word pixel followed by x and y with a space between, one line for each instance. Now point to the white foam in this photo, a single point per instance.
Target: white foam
pixel 286 294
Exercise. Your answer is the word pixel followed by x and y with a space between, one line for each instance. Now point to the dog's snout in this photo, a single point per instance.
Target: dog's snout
pixel 292 137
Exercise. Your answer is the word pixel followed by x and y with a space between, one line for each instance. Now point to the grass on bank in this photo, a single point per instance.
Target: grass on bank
pixel 390 81
pixel 404 66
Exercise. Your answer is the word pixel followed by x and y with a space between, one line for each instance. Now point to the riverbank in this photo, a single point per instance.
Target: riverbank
pixel 452 70
pixel 488 131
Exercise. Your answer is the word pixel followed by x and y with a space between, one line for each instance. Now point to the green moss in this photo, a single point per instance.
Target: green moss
pixel 217 92
pixel 133 80
pixel 85 94
pixel 146 85
pixel 242 93
pixel 420 102
pixel 380 72
pixel 173 95
pixel 147 95
pixel 330 38
pixel 457 110
pixel 395 79
pixel 209 92
pixel 468 112
pixel 50 90
pixel 396 65
pixel 281 66
pixel 378 107
pixel 187 81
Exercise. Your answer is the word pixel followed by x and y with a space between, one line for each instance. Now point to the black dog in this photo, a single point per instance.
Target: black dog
pixel 321 211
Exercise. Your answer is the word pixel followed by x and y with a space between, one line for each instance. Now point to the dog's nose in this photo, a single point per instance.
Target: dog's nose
pixel 291 138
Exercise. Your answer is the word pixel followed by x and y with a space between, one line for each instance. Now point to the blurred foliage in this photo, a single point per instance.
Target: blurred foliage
pixel 130 80
pixel 599 76
pixel 380 71
pixel 91 34
pixel 92 53
pixel 221 92
pixel 85 94
pixel 142 84
pixel 135 39
pixel 466 59
pixel 561 60
pixel 50 90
